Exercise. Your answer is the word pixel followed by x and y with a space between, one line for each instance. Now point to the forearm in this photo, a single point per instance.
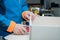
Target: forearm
pixel 6 24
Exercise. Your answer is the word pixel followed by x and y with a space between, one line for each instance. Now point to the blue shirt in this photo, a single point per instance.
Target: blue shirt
pixel 13 12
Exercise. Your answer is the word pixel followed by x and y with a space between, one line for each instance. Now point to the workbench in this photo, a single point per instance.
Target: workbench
pixel 17 37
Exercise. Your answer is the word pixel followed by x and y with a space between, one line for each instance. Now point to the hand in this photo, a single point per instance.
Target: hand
pixel 19 29
pixel 28 14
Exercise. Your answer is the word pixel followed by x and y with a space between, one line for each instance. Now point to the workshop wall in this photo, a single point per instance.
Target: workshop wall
pixel 56 10
pixel 56 1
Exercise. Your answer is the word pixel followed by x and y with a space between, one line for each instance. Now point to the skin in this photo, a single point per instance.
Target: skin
pixel 19 29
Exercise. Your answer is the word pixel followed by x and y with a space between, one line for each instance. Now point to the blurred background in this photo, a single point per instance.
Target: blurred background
pixel 45 7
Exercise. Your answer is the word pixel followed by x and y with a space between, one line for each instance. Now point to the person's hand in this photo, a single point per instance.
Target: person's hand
pixel 29 14
pixel 19 29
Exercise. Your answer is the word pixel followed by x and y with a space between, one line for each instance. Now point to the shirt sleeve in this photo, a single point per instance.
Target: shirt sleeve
pixel 6 24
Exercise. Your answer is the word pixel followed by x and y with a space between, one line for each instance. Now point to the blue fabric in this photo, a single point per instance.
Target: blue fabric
pixel 4 33
pixel 14 9
pixel 13 12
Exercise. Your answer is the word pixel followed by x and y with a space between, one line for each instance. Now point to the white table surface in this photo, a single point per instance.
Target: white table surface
pixel 17 37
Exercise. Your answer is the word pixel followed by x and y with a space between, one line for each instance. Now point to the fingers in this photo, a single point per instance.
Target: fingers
pixel 27 16
pixel 21 32
pixel 17 32
pixel 33 17
pixel 19 29
pixel 24 29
